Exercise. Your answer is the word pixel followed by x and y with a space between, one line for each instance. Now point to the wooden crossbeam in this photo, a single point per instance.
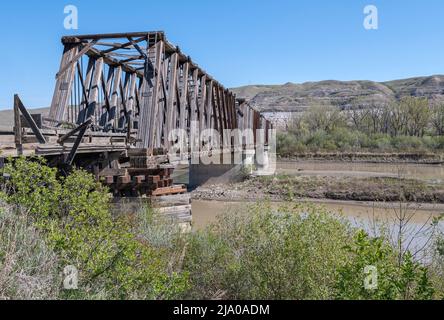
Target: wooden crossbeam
pixel 135 45
pixel 124 45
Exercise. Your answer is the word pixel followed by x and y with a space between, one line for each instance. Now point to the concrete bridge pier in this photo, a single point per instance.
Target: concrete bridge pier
pixel 220 171
pixel 265 163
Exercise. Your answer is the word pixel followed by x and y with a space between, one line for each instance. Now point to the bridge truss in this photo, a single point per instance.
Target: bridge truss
pixel 117 98
pixel 140 86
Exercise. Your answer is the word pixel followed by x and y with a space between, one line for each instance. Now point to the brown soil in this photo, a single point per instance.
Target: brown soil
pixel 283 188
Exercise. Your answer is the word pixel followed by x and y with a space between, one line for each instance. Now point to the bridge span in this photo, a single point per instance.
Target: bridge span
pixel 118 99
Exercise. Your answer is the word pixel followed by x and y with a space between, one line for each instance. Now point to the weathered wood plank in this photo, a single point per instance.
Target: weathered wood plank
pixel 209 106
pixel 115 97
pixel 17 124
pixel 202 102
pixel 64 82
pixel 171 99
pixel 184 95
pixel 94 89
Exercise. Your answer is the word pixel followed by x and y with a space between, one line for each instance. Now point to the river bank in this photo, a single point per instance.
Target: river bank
pixel 368 157
pixel 287 187
pixel 336 180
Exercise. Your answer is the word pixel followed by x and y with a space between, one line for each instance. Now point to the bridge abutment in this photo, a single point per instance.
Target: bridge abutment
pixel 219 172
pixel 216 172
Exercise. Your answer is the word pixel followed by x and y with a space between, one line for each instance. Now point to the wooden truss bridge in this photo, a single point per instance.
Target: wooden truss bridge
pixel 116 98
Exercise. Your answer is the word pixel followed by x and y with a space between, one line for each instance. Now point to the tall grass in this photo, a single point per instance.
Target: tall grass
pixel 28 267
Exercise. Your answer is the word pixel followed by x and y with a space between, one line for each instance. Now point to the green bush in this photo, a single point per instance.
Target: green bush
pixel 320 140
pixel 261 253
pixel 293 251
pixel 396 280
pixel 74 215
pixel 407 143
pixel 297 252
pixel 288 144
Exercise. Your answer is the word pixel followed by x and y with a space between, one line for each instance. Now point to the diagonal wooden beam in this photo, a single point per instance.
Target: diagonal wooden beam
pixel 76 57
pixel 105 92
pixel 74 131
pixel 82 83
pixel 124 45
pixel 69 160
pixel 18 103
pixel 135 45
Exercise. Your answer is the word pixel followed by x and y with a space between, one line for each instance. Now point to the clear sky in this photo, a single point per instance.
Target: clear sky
pixel 239 42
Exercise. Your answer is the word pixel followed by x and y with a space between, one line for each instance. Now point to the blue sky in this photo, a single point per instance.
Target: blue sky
pixel 239 42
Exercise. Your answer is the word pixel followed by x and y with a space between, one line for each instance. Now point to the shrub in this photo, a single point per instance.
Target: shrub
pixel 267 254
pixel 73 214
pixel 288 145
pixel 395 280
pixel 407 143
pixel 347 140
pixel 297 252
pixel 321 140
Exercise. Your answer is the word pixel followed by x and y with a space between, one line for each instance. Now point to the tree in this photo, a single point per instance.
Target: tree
pixel 437 119
pixel 417 113
pixel 323 117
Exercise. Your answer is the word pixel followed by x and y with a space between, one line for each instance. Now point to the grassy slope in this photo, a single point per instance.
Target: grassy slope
pixel 7 117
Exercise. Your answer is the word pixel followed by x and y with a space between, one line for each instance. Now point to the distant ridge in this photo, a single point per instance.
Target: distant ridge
pixel 292 97
pixel 296 97
pixel 7 117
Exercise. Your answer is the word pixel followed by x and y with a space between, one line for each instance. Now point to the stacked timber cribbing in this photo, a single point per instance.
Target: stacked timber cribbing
pixel 145 174
pixel 176 207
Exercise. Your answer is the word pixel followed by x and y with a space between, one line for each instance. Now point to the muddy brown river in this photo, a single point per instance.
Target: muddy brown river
pixel 206 212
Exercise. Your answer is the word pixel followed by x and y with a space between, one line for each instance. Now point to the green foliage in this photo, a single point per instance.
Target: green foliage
pixel 74 215
pixel 297 252
pixel 33 185
pixel 262 253
pixel 395 280
pixel 289 144
pixel 410 125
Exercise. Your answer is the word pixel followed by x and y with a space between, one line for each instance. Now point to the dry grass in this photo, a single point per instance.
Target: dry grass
pixel 28 268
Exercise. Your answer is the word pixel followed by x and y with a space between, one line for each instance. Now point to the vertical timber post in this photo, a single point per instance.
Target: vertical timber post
pixel 17 127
